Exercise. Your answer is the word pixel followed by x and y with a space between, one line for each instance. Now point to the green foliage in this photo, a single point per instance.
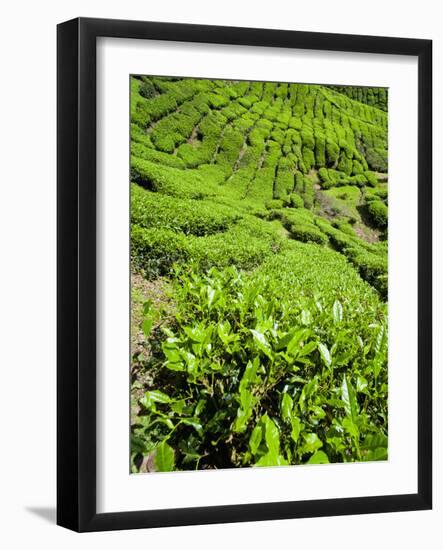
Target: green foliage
pixel 274 204
pixel 371 178
pixel 308 158
pixel 375 97
pixel 305 188
pixel 284 182
pixel 332 151
pixel 333 178
pixel 313 389
pixel 258 219
pixel 357 168
pixel 378 211
pixel 147 89
pixel 196 217
pixel 173 181
pixel 370 261
pixel 154 251
pixel 245 245
pixel 144 152
pixel 296 201
pixel 301 225
pixel 379 192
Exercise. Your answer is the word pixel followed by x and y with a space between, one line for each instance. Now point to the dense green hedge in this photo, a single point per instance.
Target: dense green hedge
pixel 196 217
pixel 378 212
pixel 376 97
pixel 301 226
pixel 276 378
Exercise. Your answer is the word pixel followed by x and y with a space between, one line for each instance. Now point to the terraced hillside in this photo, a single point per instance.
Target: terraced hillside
pixel 259 286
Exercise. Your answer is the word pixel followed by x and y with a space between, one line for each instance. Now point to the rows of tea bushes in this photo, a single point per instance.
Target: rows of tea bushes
pixel 252 130
pixel 262 209
pixel 376 97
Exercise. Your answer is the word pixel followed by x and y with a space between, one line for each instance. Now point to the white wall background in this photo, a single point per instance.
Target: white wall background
pixel 27 289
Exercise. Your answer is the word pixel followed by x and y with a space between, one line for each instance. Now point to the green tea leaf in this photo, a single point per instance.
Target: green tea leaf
pixel 296 428
pixel 211 294
pixel 380 348
pixel 178 406
pixel 262 342
pixel 147 306
pixel 351 427
pixel 349 399
pixel 147 326
pixel 242 418
pixel 270 459
pixel 324 354
pixel 373 441
pixel 286 407
pixel 311 442
pixel 308 348
pixel 244 412
pixel 337 311
pixel 199 407
pixel 362 384
pixel 306 317
pixel 255 439
pixel 194 423
pixel 319 457
pixel 272 436
pixel 250 373
pixel 164 458
pixel 294 343
pixel 171 350
pixel 157 397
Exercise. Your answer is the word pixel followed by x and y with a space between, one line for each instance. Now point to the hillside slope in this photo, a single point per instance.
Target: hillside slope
pixel 258 218
pixel 258 148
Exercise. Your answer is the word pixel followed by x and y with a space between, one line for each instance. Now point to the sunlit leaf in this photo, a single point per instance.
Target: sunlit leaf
pixel 296 428
pixel 147 306
pixel 255 439
pixel 164 458
pixel 294 343
pixel 319 457
pixel 324 354
pixel 349 399
pixel 194 423
pixel 307 348
pixel 157 397
pixel 311 442
pixel 286 407
pixel 262 342
pixel 147 326
pixel 272 436
pixel 362 384
pixel 337 311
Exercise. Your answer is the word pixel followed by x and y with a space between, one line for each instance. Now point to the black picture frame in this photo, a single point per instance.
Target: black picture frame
pixel 76 273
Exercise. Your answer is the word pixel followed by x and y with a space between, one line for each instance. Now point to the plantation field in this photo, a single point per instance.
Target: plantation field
pixel 259 218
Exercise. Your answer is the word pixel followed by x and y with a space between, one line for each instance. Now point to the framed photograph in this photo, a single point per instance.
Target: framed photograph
pixel 244 274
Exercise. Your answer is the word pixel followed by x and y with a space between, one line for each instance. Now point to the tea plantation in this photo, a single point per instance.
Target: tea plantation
pixel 259 216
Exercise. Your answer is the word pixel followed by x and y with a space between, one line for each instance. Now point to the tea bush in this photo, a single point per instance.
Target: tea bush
pixel 147 89
pixel 154 251
pixel 250 376
pixel 378 212
pixel 296 201
pixel 196 217
pixel 301 226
